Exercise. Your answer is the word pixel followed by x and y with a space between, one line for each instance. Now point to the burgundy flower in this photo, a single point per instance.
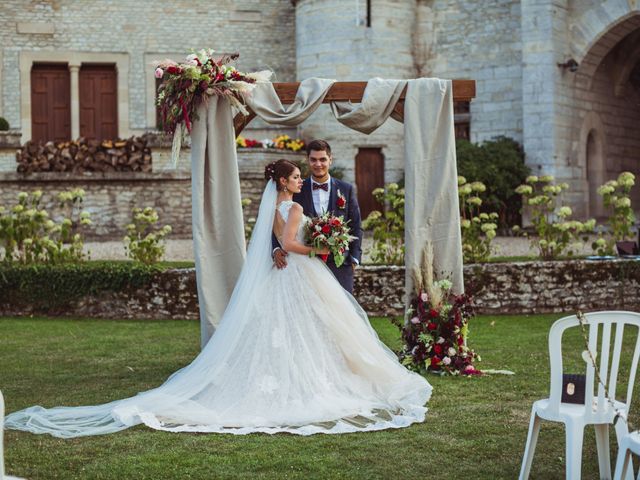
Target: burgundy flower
pixel 433 313
pixel 432 326
pixel 435 361
pixel 437 349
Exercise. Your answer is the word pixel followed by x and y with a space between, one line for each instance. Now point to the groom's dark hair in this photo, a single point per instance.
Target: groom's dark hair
pixel 318 146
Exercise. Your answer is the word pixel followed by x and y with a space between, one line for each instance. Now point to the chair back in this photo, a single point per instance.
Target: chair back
pixel 607 359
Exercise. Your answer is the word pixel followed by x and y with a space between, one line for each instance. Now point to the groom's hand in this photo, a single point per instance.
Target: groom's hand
pixel 280 258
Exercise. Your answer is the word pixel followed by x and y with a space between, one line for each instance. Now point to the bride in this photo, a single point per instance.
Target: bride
pixel 294 352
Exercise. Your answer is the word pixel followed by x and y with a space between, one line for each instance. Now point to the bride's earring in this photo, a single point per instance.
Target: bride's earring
pixel 285 189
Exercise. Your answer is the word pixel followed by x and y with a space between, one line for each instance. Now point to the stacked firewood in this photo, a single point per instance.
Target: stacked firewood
pixel 85 155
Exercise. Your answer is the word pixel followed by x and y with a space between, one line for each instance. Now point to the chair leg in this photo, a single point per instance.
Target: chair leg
pixel 621 431
pixel 573 450
pixel 622 463
pixel 602 444
pixel 530 447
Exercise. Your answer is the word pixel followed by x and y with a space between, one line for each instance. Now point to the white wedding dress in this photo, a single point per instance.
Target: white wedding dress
pixel 293 353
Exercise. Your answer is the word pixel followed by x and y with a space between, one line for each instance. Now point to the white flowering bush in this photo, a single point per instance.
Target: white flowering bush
pixel 249 222
pixel 478 228
pixel 144 242
pixel 616 195
pixel 29 235
pixel 556 233
pixel 387 226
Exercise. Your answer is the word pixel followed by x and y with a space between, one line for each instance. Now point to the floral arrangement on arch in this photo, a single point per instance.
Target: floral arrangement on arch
pixel 435 336
pixel 202 75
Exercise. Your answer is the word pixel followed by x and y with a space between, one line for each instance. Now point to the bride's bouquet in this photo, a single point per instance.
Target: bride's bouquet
pixel 332 232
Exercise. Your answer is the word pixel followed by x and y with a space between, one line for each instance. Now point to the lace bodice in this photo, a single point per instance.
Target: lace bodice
pixel 284 208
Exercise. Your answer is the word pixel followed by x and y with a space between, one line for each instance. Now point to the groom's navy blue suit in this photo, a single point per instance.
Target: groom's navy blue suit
pixel 350 212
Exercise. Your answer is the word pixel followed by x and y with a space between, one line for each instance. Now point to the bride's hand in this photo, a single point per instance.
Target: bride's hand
pixel 322 251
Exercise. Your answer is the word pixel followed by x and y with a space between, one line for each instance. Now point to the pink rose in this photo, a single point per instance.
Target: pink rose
pixel 446 360
pixel 415 320
pixel 159 72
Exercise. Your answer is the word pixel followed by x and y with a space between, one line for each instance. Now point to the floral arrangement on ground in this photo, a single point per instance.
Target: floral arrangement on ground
pixel 435 336
pixel 281 142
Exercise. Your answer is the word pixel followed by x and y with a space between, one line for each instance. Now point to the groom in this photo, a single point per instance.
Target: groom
pixel 320 194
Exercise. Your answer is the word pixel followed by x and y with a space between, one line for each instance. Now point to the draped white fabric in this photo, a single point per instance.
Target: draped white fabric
pixel 293 353
pixel 216 209
pixel 431 185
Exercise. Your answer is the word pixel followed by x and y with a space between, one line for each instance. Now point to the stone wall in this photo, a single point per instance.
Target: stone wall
pixel 110 197
pixel 498 288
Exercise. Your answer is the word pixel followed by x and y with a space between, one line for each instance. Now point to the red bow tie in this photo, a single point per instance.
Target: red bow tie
pixel 321 186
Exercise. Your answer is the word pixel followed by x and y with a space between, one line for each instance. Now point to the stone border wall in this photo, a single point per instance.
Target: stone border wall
pixel 498 288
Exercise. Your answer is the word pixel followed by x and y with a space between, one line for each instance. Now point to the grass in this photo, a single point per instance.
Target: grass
pixel 475 428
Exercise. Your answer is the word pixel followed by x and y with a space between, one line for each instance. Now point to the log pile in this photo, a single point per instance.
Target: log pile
pixel 85 155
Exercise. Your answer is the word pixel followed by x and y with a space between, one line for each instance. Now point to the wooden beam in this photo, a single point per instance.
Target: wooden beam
pixel 463 90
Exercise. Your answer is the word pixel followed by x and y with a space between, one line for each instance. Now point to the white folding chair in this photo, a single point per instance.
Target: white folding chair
pixel 628 444
pixel 597 410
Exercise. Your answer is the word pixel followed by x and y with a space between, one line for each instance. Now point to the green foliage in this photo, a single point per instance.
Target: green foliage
pixel 144 242
pixel 4 125
pixel 28 234
pixel 556 233
pixel 499 164
pixel 616 197
pixel 250 222
pixel 51 285
pixel 387 226
pixel 478 228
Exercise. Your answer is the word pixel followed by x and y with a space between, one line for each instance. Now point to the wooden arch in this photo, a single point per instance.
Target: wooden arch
pixel 463 90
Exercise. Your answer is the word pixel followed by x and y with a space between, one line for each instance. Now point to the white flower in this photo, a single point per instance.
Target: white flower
pixel 415 320
pixel 446 360
pixel 451 352
pixel 424 297
pixel 440 340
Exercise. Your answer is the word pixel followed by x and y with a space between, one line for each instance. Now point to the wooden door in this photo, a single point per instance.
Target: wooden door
pixel 99 102
pixel 369 176
pixel 50 102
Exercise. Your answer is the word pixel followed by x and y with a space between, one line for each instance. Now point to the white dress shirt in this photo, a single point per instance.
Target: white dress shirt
pixel 320 197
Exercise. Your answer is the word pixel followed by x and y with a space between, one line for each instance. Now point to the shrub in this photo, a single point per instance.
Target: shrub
pixel 250 222
pixel 4 125
pixel 387 226
pixel 616 197
pixel 144 243
pixel 478 229
pixel 556 233
pixel 499 164
pixel 30 236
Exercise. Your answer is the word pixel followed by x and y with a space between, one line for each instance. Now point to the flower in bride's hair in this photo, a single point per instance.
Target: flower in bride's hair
pixel 159 72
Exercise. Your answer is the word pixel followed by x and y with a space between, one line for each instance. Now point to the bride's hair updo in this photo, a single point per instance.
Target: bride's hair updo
pixel 279 169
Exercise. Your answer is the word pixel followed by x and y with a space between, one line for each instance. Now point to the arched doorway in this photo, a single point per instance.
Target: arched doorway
pixel 607 87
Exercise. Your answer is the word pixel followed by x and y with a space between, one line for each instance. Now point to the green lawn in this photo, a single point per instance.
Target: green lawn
pixel 475 428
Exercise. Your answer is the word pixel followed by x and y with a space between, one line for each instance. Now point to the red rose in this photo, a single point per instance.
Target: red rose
pixel 437 349
pixel 460 340
pixel 341 202
pixel 433 313
pixel 326 229
pixel 173 70
pixel 432 326
pixel 435 361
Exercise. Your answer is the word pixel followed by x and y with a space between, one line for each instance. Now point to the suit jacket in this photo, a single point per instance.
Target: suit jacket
pixel 350 212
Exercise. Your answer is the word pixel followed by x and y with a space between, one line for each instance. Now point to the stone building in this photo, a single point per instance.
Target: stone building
pixel 562 77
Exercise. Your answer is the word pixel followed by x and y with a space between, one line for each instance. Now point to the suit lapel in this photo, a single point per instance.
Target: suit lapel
pixel 308 198
pixel 333 195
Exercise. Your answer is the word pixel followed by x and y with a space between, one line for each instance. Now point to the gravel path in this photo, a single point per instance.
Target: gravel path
pixel 182 250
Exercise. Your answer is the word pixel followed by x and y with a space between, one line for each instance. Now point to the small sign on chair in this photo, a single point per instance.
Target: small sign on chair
pixel 573 388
